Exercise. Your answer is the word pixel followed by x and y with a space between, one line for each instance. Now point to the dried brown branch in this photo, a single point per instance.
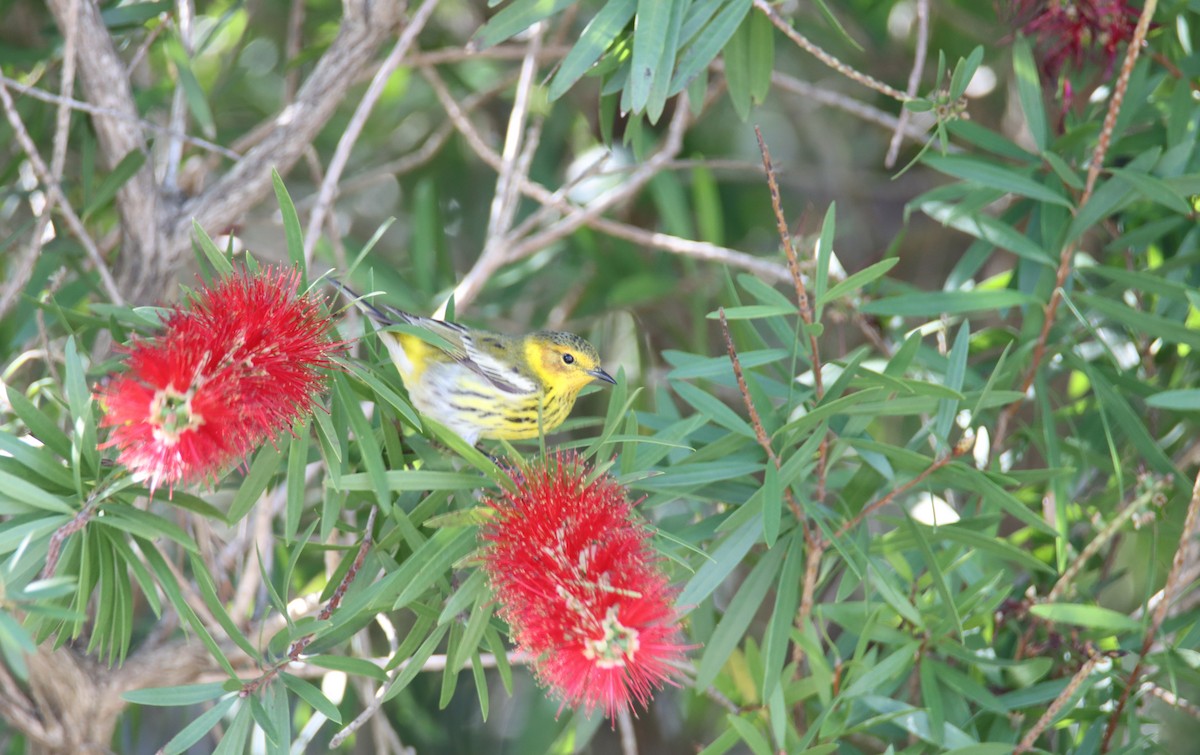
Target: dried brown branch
pixel 1047 718
pixel 914 81
pixel 22 270
pixel 107 86
pixel 874 506
pixel 354 128
pixel 1103 538
pixel 364 27
pixel 760 432
pixel 764 7
pixel 472 283
pixel 55 191
pixel 84 107
pixel 1068 252
pixel 1191 527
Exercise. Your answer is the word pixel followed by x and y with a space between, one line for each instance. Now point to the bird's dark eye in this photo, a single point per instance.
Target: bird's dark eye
pixel 569 358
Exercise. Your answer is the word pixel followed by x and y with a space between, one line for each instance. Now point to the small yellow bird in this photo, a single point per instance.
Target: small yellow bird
pixel 487 385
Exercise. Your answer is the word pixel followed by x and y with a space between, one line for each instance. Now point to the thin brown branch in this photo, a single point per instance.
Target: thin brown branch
pixel 1068 252
pixel 22 270
pixel 472 283
pixel 84 107
pixel 106 85
pixel 1172 699
pixel 282 141
pixel 1174 583
pixel 1103 538
pixel 760 432
pixel 515 154
pixel 874 506
pixel 868 113
pixel 1047 718
pixel 914 81
pixel 802 303
pixel 764 7
pixel 434 663
pixel 296 649
pixel 335 600
pixel 185 13
pixel 341 155
pixel 55 190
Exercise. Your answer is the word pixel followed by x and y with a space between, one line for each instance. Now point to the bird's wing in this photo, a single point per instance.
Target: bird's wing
pixel 508 377
pixel 453 339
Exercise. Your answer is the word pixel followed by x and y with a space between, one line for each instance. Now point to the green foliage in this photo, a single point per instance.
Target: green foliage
pixel 931 502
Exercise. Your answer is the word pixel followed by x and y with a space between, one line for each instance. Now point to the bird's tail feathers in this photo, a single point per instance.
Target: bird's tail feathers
pixel 384 315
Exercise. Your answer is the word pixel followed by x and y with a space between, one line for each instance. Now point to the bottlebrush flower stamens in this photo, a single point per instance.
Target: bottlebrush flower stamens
pixel 581 588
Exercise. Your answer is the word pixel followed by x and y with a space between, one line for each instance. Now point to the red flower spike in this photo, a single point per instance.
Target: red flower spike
pixel 237 367
pixel 1069 33
pixel 581 587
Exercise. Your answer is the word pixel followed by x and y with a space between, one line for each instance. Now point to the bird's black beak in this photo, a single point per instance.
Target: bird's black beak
pixel 600 374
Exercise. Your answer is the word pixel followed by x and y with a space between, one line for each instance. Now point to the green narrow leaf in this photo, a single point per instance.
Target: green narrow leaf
pixel 772 512
pixel 187 694
pixel 824 253
pixel 738 615
pixel 931 698
pixel 1154 188
pixel 203 723
pixel 936 303
pixel 311 695
pixel 964 72
pixel 79 399
pixel 1090 617
pixel 875 676
pixel 194 94
pixel 292 234
pixel 994 176
pixel 515 18
pixel 655 39
pixel 956 372
pixel 762 57
pixel 143 524
pixel 233 742
pixel 597 37
pixel 297 462
pixel 415 662
pixel 428 233
pixel 218 259
pixel 126 169
pixel 986 228
pixel 709 43
pixel 712 407
pixel 737 57
pixel 40 426
pixel 357 666
pixel 432 561
pixel 26 494
pixel 787 598
pixel 262 471
pixel 1029 91
pixel 723 560
pixel 857 281
pixel 208 593
pixel 1184 399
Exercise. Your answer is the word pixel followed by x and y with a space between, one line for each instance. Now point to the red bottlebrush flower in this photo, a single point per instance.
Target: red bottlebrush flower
pixel 1073 32
pixel 581 587
pixel 233 369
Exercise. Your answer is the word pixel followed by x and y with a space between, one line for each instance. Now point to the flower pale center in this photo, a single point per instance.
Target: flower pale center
pixel 618 644
pixel 171 414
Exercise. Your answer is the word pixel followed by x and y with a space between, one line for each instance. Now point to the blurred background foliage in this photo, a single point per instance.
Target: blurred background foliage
pixel 1003 336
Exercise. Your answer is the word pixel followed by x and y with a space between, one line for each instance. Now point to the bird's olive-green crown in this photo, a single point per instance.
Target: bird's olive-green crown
pixel 569 341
